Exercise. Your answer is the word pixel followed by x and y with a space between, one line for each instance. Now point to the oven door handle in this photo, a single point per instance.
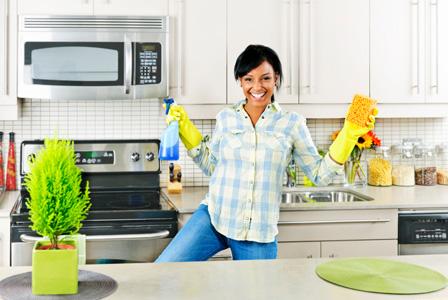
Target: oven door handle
pixel 113 237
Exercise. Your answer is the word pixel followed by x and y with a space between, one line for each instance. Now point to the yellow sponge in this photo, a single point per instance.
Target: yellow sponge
pixel 360 109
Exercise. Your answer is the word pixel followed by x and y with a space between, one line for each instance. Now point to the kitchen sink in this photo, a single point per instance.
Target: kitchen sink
pixel 327 196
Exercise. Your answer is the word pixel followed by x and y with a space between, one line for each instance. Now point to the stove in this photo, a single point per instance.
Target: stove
pixel 130 220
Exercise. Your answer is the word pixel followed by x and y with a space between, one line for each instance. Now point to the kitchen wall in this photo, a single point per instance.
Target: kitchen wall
pixel 143 119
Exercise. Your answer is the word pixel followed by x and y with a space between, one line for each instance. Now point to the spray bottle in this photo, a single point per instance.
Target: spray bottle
pixel 169 142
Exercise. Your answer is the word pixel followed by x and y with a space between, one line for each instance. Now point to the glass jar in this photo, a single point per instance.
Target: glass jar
pixel 380 167
pixel 403 165
pixel 442 163
pixel 425 165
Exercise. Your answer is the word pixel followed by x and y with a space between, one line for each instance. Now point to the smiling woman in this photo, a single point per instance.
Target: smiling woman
pixel 246 159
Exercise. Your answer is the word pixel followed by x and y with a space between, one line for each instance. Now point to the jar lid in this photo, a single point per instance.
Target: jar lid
pixel 402 148
pixel 442 148
pixel 382 150
pixel 425 150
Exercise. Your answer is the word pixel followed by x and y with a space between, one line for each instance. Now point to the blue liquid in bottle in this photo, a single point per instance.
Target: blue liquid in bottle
pixel 169 142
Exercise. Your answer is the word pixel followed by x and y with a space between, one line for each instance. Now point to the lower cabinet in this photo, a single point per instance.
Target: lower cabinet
pixel 338 233
pixel 332 233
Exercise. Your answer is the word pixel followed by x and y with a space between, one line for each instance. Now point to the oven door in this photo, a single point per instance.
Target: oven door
pixel 105 243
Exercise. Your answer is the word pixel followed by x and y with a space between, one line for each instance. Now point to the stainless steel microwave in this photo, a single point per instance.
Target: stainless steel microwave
pixel 92 57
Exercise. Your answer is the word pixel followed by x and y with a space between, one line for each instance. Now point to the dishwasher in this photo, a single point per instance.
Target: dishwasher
pixel 422 232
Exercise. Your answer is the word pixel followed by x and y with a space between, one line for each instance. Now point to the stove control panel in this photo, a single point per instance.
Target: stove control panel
pixel 104 156
pixel 416 228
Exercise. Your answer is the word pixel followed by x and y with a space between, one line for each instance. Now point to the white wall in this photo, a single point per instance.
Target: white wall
pixel 143 119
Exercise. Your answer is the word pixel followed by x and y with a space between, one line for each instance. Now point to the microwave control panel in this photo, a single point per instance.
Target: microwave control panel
pixel 147 63
pixel 422 228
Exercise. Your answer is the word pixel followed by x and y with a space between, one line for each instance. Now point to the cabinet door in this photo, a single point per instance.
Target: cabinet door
pixel 198 51
pixel 55 7
pixel 3 47
pixel 271 23
pixel 298 250
pixel 130 7
pixel 397 51
pixel 334 50
pixel 359 248
pixel 437 51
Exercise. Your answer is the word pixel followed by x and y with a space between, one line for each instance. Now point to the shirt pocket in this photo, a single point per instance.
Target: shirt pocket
pixel 231 146
pixel 276 147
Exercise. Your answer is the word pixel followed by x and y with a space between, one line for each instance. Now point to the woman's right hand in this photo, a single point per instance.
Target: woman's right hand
pixel 189 134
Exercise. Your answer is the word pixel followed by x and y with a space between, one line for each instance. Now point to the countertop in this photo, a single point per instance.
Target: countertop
pixel 258 280
pixel 403 198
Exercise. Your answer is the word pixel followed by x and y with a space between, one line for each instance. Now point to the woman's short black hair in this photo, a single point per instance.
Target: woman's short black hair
pixel 255 55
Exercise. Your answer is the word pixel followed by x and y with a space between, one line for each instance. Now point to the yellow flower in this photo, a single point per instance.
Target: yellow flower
pixel 364 142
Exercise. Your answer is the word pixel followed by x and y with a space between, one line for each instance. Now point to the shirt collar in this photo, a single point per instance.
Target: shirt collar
pixel 274 107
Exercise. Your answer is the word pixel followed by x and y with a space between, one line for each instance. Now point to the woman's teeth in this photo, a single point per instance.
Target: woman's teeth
pixel 257 96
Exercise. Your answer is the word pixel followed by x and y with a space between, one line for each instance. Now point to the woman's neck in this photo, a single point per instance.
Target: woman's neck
pixel 254 112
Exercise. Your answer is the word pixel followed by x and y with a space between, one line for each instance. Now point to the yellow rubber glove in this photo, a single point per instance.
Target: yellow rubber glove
pixel 348 137
pixel 189 134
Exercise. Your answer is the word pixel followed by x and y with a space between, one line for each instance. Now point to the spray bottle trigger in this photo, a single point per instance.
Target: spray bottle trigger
pixel 168 103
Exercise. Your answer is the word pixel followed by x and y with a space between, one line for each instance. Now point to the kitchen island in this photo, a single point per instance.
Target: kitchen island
pixel 263 279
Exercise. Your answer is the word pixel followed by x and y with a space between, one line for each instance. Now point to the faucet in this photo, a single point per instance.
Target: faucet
pixel 291 174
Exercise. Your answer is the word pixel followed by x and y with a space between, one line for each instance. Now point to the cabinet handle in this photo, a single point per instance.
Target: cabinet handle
pixel 415 42
pixel 113 237
pixel 331 256
pixel 309 256
pixel 128 65
pixel 308 45
pixel 333 221
pixel 180 45
pixel 288 42
pixel 434 47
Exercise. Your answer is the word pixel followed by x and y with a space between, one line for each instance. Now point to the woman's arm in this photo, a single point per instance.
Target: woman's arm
pixel 320 170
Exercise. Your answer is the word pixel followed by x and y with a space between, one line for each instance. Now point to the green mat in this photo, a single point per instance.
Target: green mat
pixel 381 276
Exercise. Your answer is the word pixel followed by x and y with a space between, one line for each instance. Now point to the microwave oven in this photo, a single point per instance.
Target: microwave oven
pixel 92 57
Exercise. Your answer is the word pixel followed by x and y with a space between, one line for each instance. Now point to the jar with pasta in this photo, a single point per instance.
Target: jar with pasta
pixel 380 167
pixel 403 165
pixel 442 163
pixel 425 165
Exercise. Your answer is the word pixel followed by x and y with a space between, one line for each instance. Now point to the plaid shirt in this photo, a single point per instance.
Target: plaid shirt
pixel 247 165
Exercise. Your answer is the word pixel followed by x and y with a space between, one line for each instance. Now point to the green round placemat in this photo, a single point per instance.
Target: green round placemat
pixel 381 276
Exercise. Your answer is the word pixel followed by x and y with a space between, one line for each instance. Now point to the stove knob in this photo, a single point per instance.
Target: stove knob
pixel 135 156
pixel 149 156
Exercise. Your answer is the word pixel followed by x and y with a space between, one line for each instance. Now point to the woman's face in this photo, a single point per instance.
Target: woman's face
pixel 258 85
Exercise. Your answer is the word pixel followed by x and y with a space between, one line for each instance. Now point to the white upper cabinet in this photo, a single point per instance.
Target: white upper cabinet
pixel 409 51
pixel 437 54
pixel 397 51
pixel 198 51
pixel 55 7
pixel 334 50
pixel 9 109
pixel 94 7
pixel 272 23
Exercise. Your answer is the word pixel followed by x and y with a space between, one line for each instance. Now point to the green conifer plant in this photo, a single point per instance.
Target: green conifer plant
pixel 57 205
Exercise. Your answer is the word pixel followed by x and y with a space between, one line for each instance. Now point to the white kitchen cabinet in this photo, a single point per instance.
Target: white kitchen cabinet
pixel 198 51
pixel 334 50
pixel 4 241
pixel 409 51
pixel 94 7
pixel 9 108
pixel 271 23
pixel 298 250
pixel 338 233
pixel 334 249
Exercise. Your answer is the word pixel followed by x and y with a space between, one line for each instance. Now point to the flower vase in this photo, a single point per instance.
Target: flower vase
pixel 355 173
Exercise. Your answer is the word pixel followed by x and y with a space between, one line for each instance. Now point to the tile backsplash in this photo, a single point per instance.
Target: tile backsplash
pixel 143 119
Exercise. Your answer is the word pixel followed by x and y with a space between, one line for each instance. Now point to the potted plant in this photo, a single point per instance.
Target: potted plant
pixel 57 205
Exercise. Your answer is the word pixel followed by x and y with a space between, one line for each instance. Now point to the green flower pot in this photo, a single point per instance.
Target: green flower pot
pixel 55 271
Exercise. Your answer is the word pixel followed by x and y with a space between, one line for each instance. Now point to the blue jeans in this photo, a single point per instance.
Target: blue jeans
pixel 198 241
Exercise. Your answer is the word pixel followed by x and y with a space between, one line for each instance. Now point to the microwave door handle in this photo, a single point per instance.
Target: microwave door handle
pixel 128 67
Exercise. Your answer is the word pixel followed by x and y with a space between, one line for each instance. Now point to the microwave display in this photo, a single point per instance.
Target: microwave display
pixel 147 63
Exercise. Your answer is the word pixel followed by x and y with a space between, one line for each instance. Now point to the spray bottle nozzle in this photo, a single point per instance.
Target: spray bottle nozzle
pixel 168 103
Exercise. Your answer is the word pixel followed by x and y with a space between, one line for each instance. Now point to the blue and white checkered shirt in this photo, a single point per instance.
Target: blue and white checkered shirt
pixel 247 165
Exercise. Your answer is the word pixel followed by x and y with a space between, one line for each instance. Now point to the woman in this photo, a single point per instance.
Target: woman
pixel 246 158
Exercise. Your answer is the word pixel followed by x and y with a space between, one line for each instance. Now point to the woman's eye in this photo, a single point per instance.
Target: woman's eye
pixel 267 78
pixel 248 79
